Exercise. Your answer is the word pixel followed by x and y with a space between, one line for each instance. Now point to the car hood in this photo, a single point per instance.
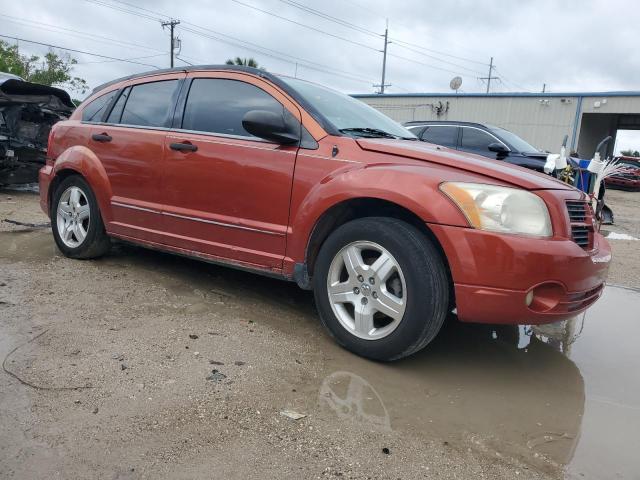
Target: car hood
pixel 427 152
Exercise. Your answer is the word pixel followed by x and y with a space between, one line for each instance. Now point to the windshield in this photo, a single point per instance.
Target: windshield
pixel 350 116
pixel 514 141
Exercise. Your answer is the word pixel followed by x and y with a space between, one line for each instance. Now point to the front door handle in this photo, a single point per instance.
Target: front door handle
pixel 101 137
pixel 184 147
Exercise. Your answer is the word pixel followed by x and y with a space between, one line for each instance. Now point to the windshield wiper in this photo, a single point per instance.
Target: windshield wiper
pixel 371 132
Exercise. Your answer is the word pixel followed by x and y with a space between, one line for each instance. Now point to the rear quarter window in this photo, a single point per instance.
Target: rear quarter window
pixel 94 110
pixel 150 104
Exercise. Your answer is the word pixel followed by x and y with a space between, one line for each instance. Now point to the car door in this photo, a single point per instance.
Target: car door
pixel 445 135
pixel 129 143
pixel 227 192
pixel 476 140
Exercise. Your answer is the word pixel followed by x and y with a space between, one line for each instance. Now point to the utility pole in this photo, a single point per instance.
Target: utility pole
pixel 490 77
pixel 172 25
pixel 384 59
pixel 544 87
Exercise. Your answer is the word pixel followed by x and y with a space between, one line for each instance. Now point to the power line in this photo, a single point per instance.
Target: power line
pixel 370 32
pixel 464 59
pixel 439 59
pixel 109 61
pixel 78 51
pixel 274 54
pixel 337 20
pixel 55 28
pixel 353 42
pixel 360 44
pixel 218 36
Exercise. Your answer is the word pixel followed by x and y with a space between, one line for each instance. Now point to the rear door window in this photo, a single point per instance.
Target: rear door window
pixel 441 135
pixel 94 111
pixel 476 140
pixel 218 105
pixel 150 104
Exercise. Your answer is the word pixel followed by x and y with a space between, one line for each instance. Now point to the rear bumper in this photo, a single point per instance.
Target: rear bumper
pixel 45 176
pixel 493 274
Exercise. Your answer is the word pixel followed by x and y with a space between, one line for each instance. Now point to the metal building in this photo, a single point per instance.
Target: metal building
pixel 542 119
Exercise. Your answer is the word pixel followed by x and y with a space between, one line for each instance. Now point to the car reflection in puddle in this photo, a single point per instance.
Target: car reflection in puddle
pixel 564 395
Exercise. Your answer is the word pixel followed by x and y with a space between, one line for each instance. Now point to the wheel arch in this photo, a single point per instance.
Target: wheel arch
pixel 80 160
pixel 352 209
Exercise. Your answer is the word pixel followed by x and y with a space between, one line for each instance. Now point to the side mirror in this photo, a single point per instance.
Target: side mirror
pixel 500 150
pixel 271 126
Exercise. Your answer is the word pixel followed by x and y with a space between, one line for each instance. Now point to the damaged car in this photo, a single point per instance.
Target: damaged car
pixel 27 113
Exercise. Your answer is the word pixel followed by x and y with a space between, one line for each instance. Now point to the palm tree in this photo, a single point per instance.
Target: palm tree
pixel 247 62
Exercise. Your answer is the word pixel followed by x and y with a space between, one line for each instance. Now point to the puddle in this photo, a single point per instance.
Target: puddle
pixel 559 395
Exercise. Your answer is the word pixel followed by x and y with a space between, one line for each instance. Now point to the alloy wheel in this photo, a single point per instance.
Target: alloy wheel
pixel 73 217
pixel 367 290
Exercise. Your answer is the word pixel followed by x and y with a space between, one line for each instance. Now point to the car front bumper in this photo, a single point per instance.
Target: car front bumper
pixel 511 279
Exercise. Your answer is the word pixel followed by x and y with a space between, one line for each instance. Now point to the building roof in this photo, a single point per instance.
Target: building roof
pixel 632 93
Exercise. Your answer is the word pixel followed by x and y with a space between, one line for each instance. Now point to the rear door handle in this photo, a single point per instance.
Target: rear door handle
pixel 101 137
pixel 184 147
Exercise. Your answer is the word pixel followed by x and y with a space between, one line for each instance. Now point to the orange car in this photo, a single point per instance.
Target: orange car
pixel 283 177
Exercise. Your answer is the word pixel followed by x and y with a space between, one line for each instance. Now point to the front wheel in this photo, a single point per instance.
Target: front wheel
pixel 381 288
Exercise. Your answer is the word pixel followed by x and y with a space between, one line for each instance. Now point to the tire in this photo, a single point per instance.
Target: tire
pixel 417 289
pixel 86 236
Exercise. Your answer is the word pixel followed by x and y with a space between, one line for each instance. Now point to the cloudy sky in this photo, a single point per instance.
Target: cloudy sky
pixel 567 45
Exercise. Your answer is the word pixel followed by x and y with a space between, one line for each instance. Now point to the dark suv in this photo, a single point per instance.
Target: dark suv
pixel 481 139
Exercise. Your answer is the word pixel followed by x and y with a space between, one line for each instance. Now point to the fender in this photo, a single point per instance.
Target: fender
pixel 86 163
pixel 414 187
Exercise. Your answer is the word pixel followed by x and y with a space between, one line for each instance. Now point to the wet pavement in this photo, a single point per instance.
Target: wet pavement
pixel 562 400
pixel 566 394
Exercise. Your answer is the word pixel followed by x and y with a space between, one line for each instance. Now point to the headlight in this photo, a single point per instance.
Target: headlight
pixel 500 209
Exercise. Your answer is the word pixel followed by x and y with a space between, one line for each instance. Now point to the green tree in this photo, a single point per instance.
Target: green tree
pixel 246 62
pixel 52 69
pixel 630 153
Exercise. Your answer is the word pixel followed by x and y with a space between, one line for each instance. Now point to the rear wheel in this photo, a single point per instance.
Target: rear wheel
pixel 381 288
pixel 76 221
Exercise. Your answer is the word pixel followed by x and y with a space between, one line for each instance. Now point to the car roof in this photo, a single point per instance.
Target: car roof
pixel 275 79
pixel 189 68
pixel 424 123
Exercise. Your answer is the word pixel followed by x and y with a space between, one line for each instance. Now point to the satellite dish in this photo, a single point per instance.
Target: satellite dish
pixel 456 83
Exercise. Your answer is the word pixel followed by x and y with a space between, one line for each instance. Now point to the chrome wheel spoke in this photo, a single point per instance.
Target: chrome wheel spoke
pixel 342 293
pixel 383 267
pixel 74 198
pixel 389 305
pixel 363 321
pixel 83 212
pixel 67 231
pixel 352 257
pixel 79 232
pixel 65 210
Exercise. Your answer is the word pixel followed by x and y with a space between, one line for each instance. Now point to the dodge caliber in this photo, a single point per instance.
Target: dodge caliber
pixel 287 178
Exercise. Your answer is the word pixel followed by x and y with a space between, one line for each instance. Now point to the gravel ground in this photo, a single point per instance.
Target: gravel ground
pixel 147 365
pixel 625 266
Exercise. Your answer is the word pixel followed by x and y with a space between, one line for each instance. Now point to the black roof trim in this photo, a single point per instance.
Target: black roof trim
pixel 418 123
pixel 277 80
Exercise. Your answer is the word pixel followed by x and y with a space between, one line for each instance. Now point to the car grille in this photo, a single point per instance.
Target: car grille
pixel 577 211
pixel 581 218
